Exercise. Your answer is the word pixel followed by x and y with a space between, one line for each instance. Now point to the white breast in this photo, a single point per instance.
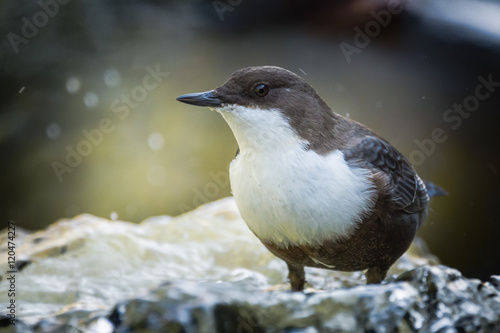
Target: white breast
pixel 289 195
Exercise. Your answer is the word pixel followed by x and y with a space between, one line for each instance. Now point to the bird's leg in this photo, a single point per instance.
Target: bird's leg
pixel 376 274
pixel 297 276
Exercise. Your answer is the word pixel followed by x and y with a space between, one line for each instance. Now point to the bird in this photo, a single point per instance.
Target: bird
pixel 318 189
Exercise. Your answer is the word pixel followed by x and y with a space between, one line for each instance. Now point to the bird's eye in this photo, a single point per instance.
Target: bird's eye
pixel 261 90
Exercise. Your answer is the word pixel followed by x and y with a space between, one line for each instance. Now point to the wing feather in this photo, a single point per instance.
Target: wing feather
pixel 405 187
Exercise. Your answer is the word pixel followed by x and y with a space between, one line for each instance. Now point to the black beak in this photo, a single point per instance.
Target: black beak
pixel 207 98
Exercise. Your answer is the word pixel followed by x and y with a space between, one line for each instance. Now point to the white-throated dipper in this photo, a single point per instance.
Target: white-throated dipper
pixel 316 188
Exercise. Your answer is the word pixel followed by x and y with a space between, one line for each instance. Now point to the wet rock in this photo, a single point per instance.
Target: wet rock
pixel 205 271
pixel 426 299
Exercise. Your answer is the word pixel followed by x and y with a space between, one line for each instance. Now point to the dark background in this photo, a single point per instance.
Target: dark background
pixel 165 158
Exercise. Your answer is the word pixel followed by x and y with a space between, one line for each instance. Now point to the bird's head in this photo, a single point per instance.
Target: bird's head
pixel 258 101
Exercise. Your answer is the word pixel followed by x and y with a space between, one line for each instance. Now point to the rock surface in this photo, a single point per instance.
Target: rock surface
pixel 205 271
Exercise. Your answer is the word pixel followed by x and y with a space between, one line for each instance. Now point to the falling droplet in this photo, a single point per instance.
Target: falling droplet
pixel 53 131
pixel 112 77
pixel 114 216
pixel 91 100
pixel 156 141
pixel 73 85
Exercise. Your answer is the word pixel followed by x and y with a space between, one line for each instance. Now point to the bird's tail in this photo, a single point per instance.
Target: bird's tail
pixel 434 190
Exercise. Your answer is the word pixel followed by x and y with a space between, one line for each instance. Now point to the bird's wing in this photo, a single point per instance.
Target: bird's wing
pixel 405 187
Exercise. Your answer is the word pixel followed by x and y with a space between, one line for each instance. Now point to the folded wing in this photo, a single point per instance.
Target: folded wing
pixel 405 188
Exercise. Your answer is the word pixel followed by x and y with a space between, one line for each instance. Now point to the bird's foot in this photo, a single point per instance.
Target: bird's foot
pixel 375 275
pixel 297 277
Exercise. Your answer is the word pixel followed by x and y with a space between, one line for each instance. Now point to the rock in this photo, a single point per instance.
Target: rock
pixel 427 299
pixel 204 271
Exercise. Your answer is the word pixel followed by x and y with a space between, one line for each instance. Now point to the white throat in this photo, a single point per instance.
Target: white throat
pixel 289 195
pixel 256 128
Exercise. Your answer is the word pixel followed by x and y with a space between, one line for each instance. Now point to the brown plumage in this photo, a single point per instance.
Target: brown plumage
pixel 398 204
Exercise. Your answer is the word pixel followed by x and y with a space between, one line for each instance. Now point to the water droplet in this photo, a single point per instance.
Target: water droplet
pixel 91 100
pixel 22 89
pixel 73 85
pixel 156 141
pixel 348 115
pixel 114 215
pixel 53 131
pixel 112 77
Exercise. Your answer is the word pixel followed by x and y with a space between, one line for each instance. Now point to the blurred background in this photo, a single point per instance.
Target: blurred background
pixel 89 121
